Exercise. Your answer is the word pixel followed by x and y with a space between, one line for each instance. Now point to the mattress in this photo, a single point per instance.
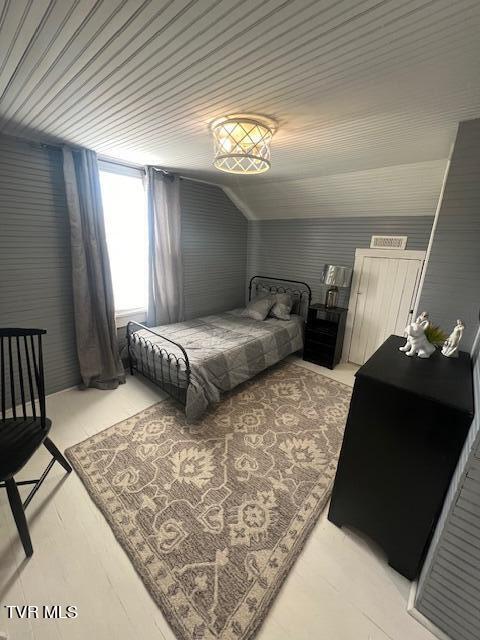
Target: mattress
pixel 223 350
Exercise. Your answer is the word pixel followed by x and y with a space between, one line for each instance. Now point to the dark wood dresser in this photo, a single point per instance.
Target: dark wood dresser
pixel 406 426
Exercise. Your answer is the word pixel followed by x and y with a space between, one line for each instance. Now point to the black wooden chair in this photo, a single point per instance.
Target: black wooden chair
pixel 26 427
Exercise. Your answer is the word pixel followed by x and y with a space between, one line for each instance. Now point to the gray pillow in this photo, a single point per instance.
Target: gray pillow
pixel 282 306
pixel 258 308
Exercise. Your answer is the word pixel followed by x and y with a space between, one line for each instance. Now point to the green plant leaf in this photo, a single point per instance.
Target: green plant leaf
pixel 435 335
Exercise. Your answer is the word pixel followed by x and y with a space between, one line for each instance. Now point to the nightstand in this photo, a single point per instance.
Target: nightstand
pixel 324 335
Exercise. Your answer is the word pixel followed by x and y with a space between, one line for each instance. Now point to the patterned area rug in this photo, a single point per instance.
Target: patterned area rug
pixel 214 515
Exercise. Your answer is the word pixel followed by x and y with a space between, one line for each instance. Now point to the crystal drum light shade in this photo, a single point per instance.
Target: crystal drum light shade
pixel 336 276
pixel 242 143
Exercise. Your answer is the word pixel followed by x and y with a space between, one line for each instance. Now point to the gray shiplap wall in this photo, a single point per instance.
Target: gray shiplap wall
pixel 214 239
pixel 35 269
pixel 298 249
pixel 452 280
pixel 449 587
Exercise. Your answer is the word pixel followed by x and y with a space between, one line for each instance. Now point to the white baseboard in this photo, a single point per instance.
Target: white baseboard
pixel 419 617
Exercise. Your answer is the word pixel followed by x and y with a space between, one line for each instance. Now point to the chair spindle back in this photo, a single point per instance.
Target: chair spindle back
pixel 22 380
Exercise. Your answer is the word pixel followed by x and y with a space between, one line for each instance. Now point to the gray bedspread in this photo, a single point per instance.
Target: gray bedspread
pixel 225 350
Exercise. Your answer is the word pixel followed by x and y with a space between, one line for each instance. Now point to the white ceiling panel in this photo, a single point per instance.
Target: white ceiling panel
pixel 357 86
pixel 404 190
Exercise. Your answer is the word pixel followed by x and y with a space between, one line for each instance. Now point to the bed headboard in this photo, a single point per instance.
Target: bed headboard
pixel 300 291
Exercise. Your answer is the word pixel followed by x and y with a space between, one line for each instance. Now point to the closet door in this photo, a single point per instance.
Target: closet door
pixel 383 296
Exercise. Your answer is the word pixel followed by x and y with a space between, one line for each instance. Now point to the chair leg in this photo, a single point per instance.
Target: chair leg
pixel 19 515
pixel 59 457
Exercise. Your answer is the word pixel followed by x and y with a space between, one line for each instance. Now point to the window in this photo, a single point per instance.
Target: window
pixel 125 212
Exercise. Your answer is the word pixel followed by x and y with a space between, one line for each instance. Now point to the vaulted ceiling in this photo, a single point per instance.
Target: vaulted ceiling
pixel 367 93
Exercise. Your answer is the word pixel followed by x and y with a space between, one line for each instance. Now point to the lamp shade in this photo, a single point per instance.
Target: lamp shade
pixel 336 276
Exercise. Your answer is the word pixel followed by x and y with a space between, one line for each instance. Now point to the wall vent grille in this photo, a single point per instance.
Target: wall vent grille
pixel 388 242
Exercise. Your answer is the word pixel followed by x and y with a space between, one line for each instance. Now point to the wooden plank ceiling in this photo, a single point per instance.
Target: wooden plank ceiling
pixel 367 93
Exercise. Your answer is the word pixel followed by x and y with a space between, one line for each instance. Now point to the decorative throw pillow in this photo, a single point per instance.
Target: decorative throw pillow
pixel 282 306
pixel 258 308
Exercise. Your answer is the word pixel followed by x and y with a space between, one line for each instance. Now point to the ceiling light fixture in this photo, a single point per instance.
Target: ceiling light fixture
pixel 242 143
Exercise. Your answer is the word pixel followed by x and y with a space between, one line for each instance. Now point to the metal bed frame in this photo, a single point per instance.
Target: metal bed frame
pixel 167 370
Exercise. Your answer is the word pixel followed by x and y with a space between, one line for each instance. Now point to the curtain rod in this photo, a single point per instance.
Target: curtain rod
pixel 141 167
pixel 104 158
pixel 132 165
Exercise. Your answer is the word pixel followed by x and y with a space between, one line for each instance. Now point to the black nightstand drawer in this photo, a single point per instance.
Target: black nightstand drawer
pixel 322 325
pixel 317 336
pixel 322 355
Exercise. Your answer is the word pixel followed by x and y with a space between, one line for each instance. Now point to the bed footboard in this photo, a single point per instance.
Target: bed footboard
pixel 169 371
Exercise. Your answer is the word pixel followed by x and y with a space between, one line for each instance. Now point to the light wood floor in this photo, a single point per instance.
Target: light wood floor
pixel 341 588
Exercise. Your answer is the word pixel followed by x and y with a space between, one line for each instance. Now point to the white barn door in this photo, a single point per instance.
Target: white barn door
pixel 382 299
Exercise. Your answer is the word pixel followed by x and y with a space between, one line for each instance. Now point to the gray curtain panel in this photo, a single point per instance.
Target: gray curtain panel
pixel 165 298
pixel 97 347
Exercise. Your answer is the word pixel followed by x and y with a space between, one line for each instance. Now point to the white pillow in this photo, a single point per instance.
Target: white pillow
pixel 258 308
pixel 282 306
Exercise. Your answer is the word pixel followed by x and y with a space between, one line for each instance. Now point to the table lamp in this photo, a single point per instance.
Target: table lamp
pixel 335 276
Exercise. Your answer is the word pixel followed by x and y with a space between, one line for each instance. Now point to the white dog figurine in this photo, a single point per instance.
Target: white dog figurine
pixel 423 316
pixel 417 342
pixel 450 346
